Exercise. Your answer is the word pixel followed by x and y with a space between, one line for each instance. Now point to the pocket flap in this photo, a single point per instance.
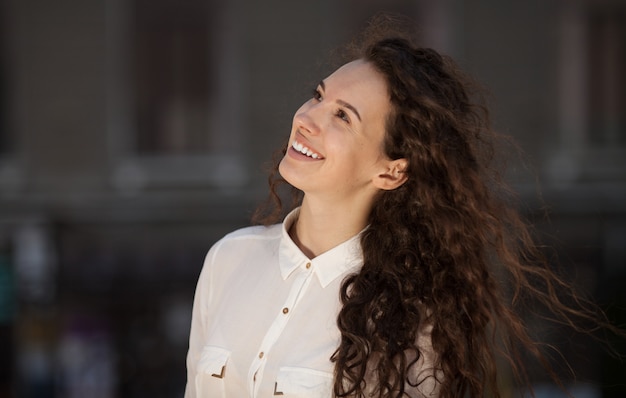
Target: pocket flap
pixel 213 361
pixel 304 381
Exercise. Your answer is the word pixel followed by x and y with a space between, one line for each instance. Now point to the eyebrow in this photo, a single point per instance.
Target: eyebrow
pixel 342 102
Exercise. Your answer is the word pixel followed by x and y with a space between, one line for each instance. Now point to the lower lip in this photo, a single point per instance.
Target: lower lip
pixel 299 155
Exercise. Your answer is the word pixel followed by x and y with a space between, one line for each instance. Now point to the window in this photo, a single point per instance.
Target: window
pixel 4 130
pixel 607 84
pixel 11 175
pixel 176 112
pixel 592 122
pixel 172 70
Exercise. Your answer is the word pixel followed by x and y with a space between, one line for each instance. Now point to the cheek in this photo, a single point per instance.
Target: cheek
pixel 366 156
pixel 353 157
pixel 369 150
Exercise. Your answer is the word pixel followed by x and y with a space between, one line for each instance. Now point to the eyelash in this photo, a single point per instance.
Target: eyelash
pixel 340 113
pixel 317 95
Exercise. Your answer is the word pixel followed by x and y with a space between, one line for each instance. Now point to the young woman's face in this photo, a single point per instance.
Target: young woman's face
pixel 336 142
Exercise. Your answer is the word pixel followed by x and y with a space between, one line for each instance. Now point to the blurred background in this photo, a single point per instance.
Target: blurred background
pixel 135 133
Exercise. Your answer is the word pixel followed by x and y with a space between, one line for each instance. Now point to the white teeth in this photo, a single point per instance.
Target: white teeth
pixel 304 150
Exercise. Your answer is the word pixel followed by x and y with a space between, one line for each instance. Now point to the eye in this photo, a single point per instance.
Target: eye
pixel 341 114
pixel 317 95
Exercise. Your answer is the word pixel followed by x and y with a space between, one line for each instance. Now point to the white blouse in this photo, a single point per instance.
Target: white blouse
pixel 264 316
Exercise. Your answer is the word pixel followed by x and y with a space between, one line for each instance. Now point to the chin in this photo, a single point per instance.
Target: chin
pixel 287 173
pixel 283 170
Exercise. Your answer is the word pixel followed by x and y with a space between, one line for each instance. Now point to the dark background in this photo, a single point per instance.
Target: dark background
pixel 134 133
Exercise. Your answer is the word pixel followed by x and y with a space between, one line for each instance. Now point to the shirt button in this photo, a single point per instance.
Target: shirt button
pixel 308 265
pixel 261 354
pixel 285 310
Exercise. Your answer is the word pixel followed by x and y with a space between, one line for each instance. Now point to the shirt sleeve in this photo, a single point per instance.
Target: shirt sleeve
pixel 199 320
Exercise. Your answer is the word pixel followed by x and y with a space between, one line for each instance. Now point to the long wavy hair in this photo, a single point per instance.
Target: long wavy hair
pixel 446 252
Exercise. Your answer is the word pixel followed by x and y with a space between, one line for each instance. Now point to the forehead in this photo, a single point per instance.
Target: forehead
pixel 360 75
pixel 361 85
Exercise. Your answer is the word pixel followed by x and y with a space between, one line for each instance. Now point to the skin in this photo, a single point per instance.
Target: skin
pixel 343 127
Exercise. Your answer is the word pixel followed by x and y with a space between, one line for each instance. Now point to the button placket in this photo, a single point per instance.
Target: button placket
pixel 299 285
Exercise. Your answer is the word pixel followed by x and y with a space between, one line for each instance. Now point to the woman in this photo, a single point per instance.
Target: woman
pixel 383 279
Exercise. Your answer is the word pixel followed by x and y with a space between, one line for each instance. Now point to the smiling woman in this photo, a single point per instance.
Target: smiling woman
pixel 344 125
pixel 389 276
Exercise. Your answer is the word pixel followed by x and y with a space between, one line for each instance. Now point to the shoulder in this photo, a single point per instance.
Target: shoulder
pixel 244 240
pixel 253 233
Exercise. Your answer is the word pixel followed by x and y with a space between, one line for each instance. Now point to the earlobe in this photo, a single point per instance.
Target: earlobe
pixel 394 176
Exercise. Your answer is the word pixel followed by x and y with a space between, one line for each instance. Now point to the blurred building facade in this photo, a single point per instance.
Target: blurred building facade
pixel 135 133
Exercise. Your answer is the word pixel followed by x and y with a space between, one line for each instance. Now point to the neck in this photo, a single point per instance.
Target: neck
pixel 320 228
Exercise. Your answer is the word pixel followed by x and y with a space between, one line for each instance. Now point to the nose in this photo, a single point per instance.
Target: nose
pixel 307 119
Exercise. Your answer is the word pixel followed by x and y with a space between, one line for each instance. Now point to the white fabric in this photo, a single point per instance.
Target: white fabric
pixel 256 295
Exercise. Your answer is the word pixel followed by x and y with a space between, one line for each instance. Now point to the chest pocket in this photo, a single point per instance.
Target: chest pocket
pixel 211 372
pixel 293 382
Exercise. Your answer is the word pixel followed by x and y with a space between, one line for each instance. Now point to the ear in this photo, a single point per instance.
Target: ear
pixel 393 176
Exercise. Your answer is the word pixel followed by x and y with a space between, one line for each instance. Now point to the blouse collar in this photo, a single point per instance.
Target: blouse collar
pixel 328 266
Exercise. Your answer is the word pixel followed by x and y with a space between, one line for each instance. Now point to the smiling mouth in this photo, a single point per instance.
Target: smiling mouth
pixel 305 151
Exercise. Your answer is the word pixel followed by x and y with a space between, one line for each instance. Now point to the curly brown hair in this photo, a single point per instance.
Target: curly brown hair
pixel 445 252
